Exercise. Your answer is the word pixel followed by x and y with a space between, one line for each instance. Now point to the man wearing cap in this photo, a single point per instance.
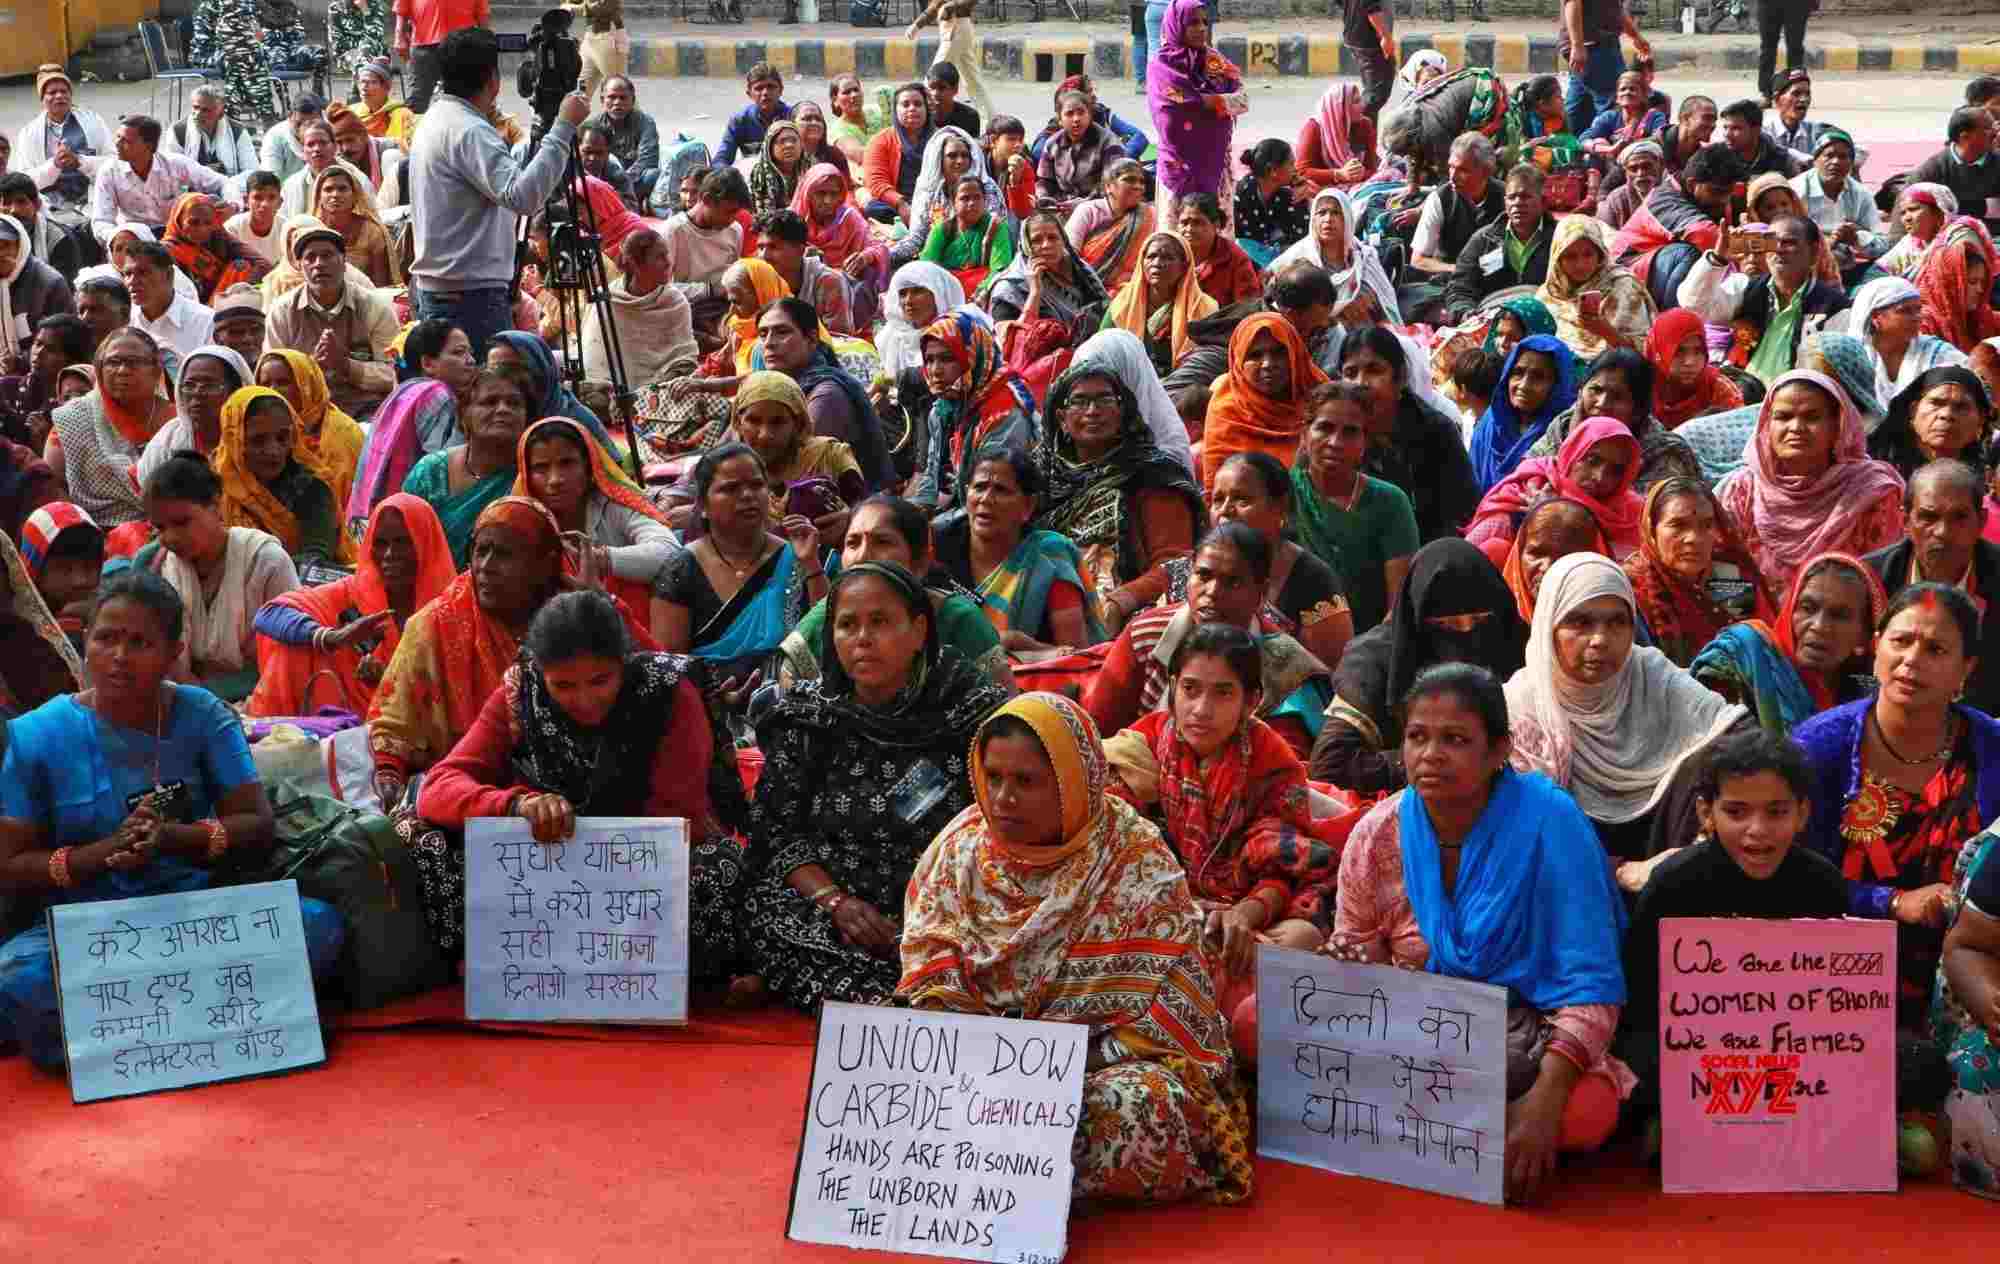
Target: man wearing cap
pixel 1645 166
pixel 284 151
pixel 239 321
pixel 142 186
pixel 1841 205
pixel 346 329
pixel 208 137
pixel 64 145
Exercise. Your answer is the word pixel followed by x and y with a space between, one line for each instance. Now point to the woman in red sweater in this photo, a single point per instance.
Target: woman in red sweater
pixel 890 164
pixel 1336 146
pixel 567 735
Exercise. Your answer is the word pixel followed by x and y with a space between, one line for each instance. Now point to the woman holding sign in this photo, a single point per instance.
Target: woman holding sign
pixel 1485 873
pixel 141 786
pixel 1052 900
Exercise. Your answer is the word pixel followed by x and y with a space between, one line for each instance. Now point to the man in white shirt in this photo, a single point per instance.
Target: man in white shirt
pixel 467 191
pixel 143 184
pixel 283 154
pixel 64 145
pixel 176 322
pixel 208 137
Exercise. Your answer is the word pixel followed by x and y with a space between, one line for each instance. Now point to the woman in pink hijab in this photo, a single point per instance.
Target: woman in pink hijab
pixel 1336 145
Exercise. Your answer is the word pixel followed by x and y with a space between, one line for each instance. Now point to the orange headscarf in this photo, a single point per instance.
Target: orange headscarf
pixel 606 480
pixel 1241 419
pixel 1133 308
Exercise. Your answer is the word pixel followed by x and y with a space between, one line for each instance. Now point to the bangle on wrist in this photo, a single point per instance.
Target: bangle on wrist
pixel 59 868
pixel 817 893
pixel 218 838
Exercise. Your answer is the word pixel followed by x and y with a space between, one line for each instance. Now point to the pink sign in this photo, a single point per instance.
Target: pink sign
pixel 1777 1055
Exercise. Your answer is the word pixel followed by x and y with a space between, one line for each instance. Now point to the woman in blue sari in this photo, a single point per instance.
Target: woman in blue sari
pixel 1824 635
pixel 552 399
pixel 1537 383
pixel 461 481
pixel 140 786
pixel 732 595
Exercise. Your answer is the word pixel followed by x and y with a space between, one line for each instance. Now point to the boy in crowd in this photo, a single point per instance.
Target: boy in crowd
pixel 258 227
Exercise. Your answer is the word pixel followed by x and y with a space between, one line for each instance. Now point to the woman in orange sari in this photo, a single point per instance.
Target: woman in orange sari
pixel 349 630
pixel 1261 405
pixel 213 259
pixel 1108 230
pixel 1160 301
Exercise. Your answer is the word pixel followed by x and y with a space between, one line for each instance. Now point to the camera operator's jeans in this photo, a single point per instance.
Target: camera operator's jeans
pixel 1590 94
pixel 425 70
pixel 479 313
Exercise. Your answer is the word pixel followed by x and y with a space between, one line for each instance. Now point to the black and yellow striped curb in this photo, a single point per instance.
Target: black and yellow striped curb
pixel 1049 60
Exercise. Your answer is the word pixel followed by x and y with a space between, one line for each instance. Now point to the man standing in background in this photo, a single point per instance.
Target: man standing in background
pixel 1369 31
pixel 605 46
pixel 421 26
pixel 1589 44
pixel 956 45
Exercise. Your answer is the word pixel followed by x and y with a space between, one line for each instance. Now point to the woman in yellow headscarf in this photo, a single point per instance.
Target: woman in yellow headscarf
pixel 1071 908
pixel 333 437
pixel 272 481
pixel 750 284
pixel 1160 301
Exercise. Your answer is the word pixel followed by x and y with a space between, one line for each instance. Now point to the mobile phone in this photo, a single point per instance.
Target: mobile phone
pixel 1590 304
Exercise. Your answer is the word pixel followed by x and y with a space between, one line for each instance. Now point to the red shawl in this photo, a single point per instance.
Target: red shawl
pixel 1941 284
pixel 1712 392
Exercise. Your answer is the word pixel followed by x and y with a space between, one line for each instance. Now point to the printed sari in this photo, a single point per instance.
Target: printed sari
pixel 213 265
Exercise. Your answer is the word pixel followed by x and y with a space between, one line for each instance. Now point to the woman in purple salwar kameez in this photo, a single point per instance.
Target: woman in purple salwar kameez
pixel 1189 87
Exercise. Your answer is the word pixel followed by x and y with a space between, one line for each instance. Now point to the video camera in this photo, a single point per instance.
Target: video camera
pixel 553 66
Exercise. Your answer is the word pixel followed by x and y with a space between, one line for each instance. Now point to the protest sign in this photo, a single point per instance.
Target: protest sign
pixel 1391 1074
pixel 939 1134
pixel 594 930
pixel 1777 1055
pixel 165 991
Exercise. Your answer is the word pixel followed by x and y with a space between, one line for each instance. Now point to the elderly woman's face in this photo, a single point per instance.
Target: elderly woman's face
pixel 876 638
pixel 1947 420
pixel 1686 535
pixel 785 146
pixel 919 306
pixel 956 159
pixel 1549 537
pixel 509 569
pixel 1804 424
pixel 1593 641
pixel 771 431
pixel 1829 620
pixel 205 384
pixel 825 199
pixel 1165 266
pixel 128 370
pixel 1267 366
pixel 1528 386
pixel 1329 228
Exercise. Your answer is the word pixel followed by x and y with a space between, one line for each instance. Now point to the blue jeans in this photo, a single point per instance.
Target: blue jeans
pixel 1590 94
pixel 1143 46
pixel 29 1012
pixel 480 314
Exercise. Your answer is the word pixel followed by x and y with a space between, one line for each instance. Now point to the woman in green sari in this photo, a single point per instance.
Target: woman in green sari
pixel 972 242
pixel 461 481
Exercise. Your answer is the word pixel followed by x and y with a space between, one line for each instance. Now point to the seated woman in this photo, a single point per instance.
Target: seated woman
pixel 1904 779
pixel 63 551
pixel 1260 406
pixel 435 372
pixel 1597 304
pixel 1956 285
pixel 888 528
pixel 1107 485
pixel 461 481
pixel 1537 383
pixel 813 142
pixel 1807 659
pixel 863 767
pixel 732 595
pixel 774 178
pixel 650 317
pixel 839 231
pixel 1751 804
pixel 1221 269
pixel 273 482
pixel 1631 118
pixel 1691 573
pixel 1303 599
pixel 350 628
pixel 950 156
pixel 455 648
pixel 517 349
pixel 1887 315
pixel 1611 722
pixel 208 254
pixel 894 156
pixel 1553 528
pixel 141 787
pixel 1720 439
pixel 1810 486
pixel 37 661
pixel 1921 210
pixel 1270 201
pixel 595 505
pixel 1486 872
pixel 1336 143
pixel 1360 526
pixel 1619 384
pixel 1109 230
pixel 1967 1025
pixel 1028 582
pixel 1160 300
pixel 1075 160
pixel 1048 280
pixel 1053 900
pixel 1596 467
pixel 223 574
pixel 588 724
pixel 918 295
pixel 1454 608
pixel 976 402
pixel 1685 384
pixel 973 241
pixel 1944 414
pixel 342 200
pixel 1334 243
pixel 1411 443
pixel 1232 565
pixel 333 438
pixel 208 376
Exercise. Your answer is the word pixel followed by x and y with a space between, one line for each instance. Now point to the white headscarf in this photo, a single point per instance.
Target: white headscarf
pixel 183 283
pixel 930 177
pixel 1614 746
pixel 1884 292
pixel 1406 78
pixel 1120 353
pixel 10 336
pixel 899 343
pixel 1362 265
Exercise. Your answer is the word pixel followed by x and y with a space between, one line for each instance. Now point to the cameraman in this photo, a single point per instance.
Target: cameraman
pixel 466 191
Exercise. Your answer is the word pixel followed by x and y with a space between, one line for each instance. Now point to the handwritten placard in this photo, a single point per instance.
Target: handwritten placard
pixel 1391 1074
pixel 165 991
pixel 939 1134
pixel 1777 1055
pixel 594 930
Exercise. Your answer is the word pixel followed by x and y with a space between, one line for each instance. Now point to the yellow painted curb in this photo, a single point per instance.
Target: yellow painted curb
pixel 1841 57
pixel 1510 54
pixel 1262 57
pixel 1977 57
pixel 1322 54
pixel 1453 48
pixel 839 57
pixel 721 57
pixel 899 59
pixel 1906 56
pixel 784 54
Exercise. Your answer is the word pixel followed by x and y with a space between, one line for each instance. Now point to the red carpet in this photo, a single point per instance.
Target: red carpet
pixel 421 1144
